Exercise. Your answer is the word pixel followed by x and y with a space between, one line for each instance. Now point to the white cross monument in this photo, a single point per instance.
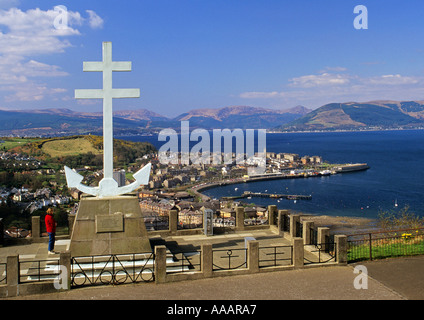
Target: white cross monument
pixel 108 187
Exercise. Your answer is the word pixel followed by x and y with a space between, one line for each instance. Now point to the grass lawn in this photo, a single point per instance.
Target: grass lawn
pixel 69 147
pixel 384 248
pixel 10 143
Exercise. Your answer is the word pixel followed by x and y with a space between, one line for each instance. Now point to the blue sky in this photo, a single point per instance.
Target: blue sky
pixel 191 54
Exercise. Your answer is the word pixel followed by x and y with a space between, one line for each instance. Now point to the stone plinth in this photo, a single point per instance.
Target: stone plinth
pixel 112 225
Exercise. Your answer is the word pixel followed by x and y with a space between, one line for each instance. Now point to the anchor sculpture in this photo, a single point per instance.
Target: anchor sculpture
pixel 108 187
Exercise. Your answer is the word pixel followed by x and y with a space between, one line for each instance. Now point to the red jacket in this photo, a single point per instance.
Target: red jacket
pixel 50 223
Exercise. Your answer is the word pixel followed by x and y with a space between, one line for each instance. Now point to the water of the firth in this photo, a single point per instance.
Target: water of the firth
pixel 396 175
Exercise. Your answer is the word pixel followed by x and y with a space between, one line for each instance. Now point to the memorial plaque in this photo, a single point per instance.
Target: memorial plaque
pixel 110 223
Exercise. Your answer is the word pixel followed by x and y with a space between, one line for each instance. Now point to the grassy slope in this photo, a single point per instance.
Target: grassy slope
pixel 71 147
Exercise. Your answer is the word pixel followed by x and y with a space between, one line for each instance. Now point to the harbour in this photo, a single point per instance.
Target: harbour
pixel 247 194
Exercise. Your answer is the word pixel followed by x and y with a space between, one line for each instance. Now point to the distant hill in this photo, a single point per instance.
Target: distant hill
pixel 60 122
pixel 243 117
pixel 75 149
pixel 353 115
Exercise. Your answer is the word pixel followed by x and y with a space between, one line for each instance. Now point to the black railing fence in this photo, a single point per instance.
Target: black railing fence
pixel 185 261
pixel 321 253
pixel 275 256
pixel 112 269
pixel 229 259
pixel 384 244
pixel 38 270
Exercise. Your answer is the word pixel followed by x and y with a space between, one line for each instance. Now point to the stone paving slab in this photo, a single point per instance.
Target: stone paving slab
pixel 326 283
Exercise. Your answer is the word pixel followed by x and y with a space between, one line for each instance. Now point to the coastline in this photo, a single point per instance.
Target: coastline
pixel 342 224
pixel 346 130
pixel 338 224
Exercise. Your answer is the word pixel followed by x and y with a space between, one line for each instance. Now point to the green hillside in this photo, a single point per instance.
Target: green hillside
pixel 352 115
pixel 75 151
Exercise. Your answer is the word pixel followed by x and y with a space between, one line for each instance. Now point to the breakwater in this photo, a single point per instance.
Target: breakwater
pixel 248 194
pixel 272 176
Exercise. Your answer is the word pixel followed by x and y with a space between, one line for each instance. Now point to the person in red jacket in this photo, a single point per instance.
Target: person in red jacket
pixel 51 229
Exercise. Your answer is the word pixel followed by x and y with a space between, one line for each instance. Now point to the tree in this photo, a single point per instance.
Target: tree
pixel 404 218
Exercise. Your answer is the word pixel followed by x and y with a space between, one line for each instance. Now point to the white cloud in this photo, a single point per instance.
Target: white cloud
pixel 261 95
pixel 335 69
pixel 392 79
pixel 318 89
pixel 94 20
pixel 30 91
pixel 324 79
pixel 35 32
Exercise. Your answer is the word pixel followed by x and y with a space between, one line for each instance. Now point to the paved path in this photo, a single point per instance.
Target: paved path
pixel 403 275
pixel 389 279
pixel 325 283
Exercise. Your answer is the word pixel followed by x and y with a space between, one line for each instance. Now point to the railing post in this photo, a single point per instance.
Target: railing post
pixel 12 276
pixel 298 252
pixel 294 219
pixel 253 256
pixel 307 226
pixel 341 248
pixel 281 216
pixel 65 261
pixel 35 227
pixel 239 218
pixel 207 263
pixel 272 210
pixel 173 221
pixel 323 232
pixel 160 264
pixel 370 240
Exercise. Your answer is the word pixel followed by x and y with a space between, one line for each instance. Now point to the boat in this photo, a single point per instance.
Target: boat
pixel 396 204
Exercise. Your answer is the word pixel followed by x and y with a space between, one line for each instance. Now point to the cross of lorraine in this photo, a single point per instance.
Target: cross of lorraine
pixel 108 187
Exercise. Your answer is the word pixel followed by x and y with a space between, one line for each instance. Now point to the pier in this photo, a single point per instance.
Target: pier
pixel 248 194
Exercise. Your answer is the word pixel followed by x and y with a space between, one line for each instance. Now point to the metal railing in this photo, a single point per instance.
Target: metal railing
pixel 320 253
pixel 229 259
pixel 38 270
pixel 185 261
pixel 112 269
pixel 384 244
pixel 271 256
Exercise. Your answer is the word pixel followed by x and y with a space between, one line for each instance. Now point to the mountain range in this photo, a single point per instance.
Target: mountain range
pixel 367 115
pixel 334 116
pixel 45 122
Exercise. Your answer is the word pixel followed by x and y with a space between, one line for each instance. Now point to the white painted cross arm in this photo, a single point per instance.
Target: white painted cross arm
pixel 99 66
pixel 100 93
